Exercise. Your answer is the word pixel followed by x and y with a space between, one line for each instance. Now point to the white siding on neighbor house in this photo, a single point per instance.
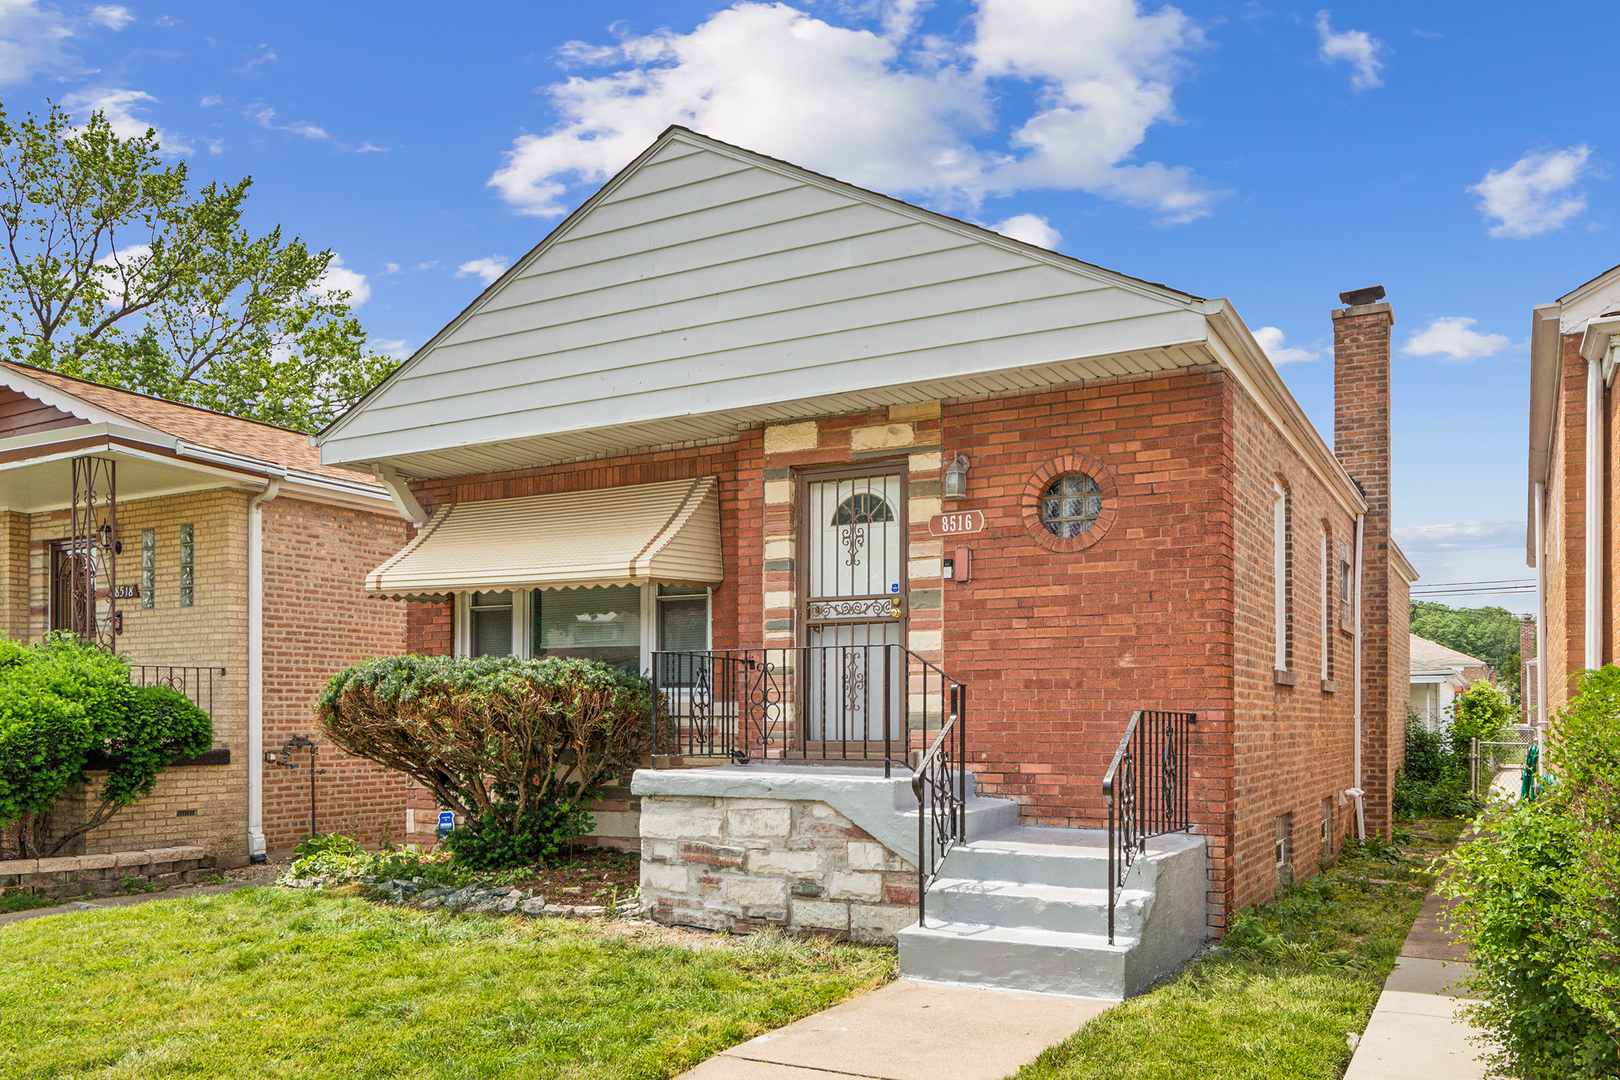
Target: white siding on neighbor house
pixel 707 281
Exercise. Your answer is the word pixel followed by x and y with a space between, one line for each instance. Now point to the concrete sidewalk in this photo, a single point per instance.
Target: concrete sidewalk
pixel 910 1030
pixel 1415 1031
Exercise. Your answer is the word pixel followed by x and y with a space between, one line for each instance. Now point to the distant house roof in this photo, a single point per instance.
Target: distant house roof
pixel 1432 656
pixel 197 426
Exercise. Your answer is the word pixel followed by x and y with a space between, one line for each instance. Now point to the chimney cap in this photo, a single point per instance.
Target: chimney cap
pixel 1356 297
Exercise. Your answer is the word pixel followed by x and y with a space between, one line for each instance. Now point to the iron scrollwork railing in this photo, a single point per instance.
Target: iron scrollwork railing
pixel 858 704
pixel 196 684
pixel 941 786
pixel 1146 790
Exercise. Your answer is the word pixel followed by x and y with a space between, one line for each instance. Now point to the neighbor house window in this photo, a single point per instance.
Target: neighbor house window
pixel 1281 583
pixel 188 550
pixel 148 567
pixel 1071 504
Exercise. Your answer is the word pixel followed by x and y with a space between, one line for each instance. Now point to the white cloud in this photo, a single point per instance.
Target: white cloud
pixel 120 106
pixel 396 350
pixel 1532 195
pixel 1271 340
pixel 266 117
pixel 1450 338
pixel 339 278
pixel 112 16
pixel 1462 534
pixel 896 111
pixel 124 264
pixel 390 268
pixel 370 148
pixel 211 100
pixel 31 40
pixel 1357 48
pixel 487 269
pixel 1031 229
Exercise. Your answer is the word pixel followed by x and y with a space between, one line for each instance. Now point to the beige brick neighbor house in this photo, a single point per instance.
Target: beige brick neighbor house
pixel 220 556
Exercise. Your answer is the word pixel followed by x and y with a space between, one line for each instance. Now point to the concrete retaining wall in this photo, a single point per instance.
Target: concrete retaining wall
pixel 103 875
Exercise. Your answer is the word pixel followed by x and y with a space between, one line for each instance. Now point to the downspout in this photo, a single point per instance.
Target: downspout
pixel 256 847
pixel 1541 610
pixel 1358 792
pixel 1594 513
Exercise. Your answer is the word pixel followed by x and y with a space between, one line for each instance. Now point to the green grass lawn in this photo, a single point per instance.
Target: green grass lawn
pixel 25 902
pixel 273 983
pixel 1279 997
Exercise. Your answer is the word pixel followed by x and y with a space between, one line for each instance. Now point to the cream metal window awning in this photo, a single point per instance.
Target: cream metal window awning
pixel 666 533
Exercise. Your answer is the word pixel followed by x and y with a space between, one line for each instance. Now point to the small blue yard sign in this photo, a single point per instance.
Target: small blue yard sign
pixel 447 823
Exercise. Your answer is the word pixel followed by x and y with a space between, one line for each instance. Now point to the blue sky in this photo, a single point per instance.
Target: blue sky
pixel 1271 153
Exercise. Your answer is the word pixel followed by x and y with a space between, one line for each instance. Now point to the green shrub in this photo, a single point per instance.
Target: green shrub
pixel 1540 903
pixel 340 858
pixel 1480 712
pixel 539 836
pixel 515 747
pixel 67 709
pixel 335 843
pixel 1432 783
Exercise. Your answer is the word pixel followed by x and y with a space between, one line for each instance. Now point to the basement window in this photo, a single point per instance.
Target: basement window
pixel 1285 849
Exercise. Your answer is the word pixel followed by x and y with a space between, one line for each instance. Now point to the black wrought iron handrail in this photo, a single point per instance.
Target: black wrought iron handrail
pixel 940 784
pixel 1146 790
pixel 194 682
pixel 857 704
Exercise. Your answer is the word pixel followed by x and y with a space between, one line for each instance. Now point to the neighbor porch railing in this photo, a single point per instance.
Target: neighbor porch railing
pixel 1146 790
pixel 195 683
pixel 824 704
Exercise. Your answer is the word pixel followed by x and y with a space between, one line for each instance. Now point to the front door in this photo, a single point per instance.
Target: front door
pixel 67 605
pixel 854 604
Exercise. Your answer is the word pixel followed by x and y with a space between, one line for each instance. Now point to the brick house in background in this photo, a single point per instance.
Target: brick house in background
pixel 1570 533
pixel 218 555
pixel 794 446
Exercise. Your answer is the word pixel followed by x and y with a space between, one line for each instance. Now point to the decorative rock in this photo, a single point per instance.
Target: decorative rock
pixel 486 904
pixel 533 906
pixel 508 903
pixel 431 903
pixel 588 911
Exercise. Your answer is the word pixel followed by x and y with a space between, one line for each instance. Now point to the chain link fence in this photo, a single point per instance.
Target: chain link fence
pixel 1499 762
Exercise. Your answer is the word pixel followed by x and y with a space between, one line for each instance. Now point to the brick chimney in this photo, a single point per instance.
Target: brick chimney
pixel 1361 381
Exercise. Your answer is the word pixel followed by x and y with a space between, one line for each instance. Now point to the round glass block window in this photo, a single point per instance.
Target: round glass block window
pixel 1071 504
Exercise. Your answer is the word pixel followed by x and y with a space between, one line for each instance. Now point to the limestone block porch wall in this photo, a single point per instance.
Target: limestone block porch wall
pixel 739 865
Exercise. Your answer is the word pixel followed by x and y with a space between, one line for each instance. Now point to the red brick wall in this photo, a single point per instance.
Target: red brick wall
pixel 1292 745
pixel 317 621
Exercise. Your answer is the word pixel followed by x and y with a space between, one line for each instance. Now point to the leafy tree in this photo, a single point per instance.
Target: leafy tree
pixel 67 710
pixel 115 270
pixel 1490 633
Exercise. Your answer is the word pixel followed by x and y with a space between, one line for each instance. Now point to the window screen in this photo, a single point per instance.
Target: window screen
pixel 491 624
pixel 592 624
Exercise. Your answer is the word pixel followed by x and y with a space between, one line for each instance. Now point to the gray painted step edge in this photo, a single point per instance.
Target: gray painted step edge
pixel 1016 958
pixel 1047 907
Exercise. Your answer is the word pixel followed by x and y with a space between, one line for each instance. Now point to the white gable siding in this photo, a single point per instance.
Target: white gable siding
pixel 704 282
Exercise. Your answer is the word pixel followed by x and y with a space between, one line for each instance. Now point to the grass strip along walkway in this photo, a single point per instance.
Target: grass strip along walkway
pixel 1281 993
pixel 272 983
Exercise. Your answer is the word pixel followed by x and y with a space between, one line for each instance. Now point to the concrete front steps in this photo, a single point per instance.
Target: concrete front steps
pixel 1026 908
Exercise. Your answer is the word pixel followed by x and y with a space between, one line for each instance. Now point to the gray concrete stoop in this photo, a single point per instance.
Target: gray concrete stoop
pixel 1015 907
pixel 1027 909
